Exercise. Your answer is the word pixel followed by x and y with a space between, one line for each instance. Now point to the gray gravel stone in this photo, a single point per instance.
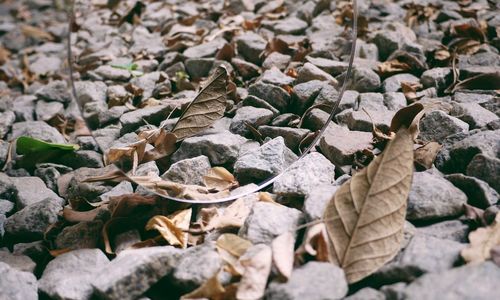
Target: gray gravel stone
pixel 316 201
pixel 305 93
pixel 55 91
pixel 473 114
pixel 7 118
pixel 278 60
pixel 292 136
pixel 371 101
pixel 31 190
pixel 196 266
pixel 305 175
pixel 485 168
pixel 220 148
pixel 113 73
pixel 437 125
pixel 276 77
pixel 253 116
pixel 339 144
pixel 258 102
pixel 360 121
pixel 188 171
pixel 89 91
pixel 394 100
pixel 453 230
pixel 80 236
pixel 479 193
pixel 20 262
pixel 367 294
pixel 31 222
pixel 290 25
pixel 133 272
pixel 17 285
pixel 61 281
pixel 472 281
pixel 364 80
pixel 274 95
pixel 153 115
pixel 269 160
pixel 245 69
pixel 208 49
pixel 433 197
pixel 314 281
pixel 37 129
pixel 310 72
pixel 148 82
pixel 6 207
pixel 424 254
pixel 439 78
pixel 251 45
pixel 393 83
pixel 268 220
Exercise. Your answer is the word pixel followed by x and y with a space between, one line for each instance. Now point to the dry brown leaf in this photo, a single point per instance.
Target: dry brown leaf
pixel 74 216
pixel 172 228
pixel 408 117
pixel 425 155
pixel 206 108
pixel 283 253
pixel 482 241
pixel 365 218
pixel 164 145
pixel 487 81
pixel 134 151
pixel 4 55
pixel 230 248
pixel 233 216
pixel 35 32
pixel 255 267
pixel 212 289
pixel 219 179
pixel 315 243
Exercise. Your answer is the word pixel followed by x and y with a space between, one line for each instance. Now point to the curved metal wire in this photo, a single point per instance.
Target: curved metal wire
pixel 271 180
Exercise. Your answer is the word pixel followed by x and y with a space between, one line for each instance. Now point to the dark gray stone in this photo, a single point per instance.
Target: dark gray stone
pixel 473 114
pixel 274 95
pixel 453 230
pixel 310 72
pixel 196 266
pixel 479 193
pixel 314 281
pixel 437 125
pixel 253 116
pixel 364 80
pixel 133 272
pixel 250 45
pixel 272 158
pixel 463 149
pixel 31 222
pixel 60 279
pixel 80 236
pixel 485 168
pixel 433 197
pixel 292 136
pixel 220 148
pixel 31 190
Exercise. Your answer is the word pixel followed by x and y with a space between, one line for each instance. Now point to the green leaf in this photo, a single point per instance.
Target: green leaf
pixel 29 145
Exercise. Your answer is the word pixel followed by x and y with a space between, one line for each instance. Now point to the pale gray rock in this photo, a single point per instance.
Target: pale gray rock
pixel 7 118
pixel 274 95
pixel 61 281
pixel 437 125
pixel 91 91
pixel 393 83
pixel 290 25
pixel 360 121
pixel 367 294
pixel 20 262
pixel 268 220
pixel 454 230
pixel 17 285
pixel 292 136
pixel 314 281
pixel 56 90
pixel 364 80
pixel 473 114
pixel 31 190
pixel 316 201
pixel 253 116
pixel 394 100
pixel 305 175
pixel 38 130
pixel 439 78
pixel 276 77
pixel 339 144
pixel 310 72
pixel 113 73
pixel 188 171
pixel 250 45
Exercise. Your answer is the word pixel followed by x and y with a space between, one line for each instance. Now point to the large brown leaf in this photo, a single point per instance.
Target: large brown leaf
pixel 365 218
pixel 206 108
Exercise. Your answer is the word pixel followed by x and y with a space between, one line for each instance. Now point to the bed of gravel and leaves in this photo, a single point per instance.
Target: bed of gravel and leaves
pixel 202 100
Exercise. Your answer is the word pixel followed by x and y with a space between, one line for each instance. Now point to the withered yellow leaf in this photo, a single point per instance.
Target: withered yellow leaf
pixel 206 108
pixel 173 227
pixel 365 218
pixel 482 241
pixel 283 253
pixel 211 289
pixel 219 179
pixel 255 266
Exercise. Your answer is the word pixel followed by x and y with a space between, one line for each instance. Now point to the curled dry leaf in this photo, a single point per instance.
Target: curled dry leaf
pixel 73 216
pixel 315 243
pixel 206 108
pixel 219 179
pixel 425 155
pixel 173 189
pixel 163 142
pixel 365 218
pixel 283 253
pixel 255 266
pixel 408 117
pixel 233 216
pixel 487 81
pixel 172 228
pixel 212 289
pixel 482 241
pixel 35 32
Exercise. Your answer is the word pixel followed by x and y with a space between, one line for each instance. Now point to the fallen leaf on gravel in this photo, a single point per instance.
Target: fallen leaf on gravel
pixel 212 289
pixel 255 266
pixel 172 228
pixel 424 156
pixel 134 151
pixel 365 218
pixel 482 241
pixel 230 248
pixel 233 216
pixel 206 108
pixel 410 90
pixel 219 179
pixel 408 117
pixel 164 144
pixel 35 32
pixel 35 151
pixel 74 216
pixel 283 253
pixel 315 243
